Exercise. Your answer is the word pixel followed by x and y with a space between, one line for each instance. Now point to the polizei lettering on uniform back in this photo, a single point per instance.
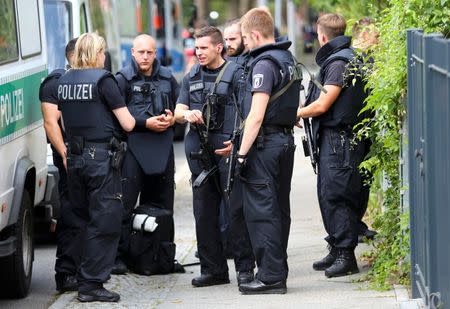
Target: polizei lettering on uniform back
pixel 11 107
pixel 75 92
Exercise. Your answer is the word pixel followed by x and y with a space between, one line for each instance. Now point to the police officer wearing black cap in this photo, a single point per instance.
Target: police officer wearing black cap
pixel 208 102
pixel 266 155
pixel 334 114
pixel 150 90
pixel 66 257
pixel 94 114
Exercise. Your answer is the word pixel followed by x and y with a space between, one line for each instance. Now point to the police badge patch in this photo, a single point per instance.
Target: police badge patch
pixel 258 80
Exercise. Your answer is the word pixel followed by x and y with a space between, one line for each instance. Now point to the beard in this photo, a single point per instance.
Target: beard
pixel 236 52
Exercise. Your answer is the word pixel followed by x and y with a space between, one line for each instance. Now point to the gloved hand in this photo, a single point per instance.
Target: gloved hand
pixel 241 164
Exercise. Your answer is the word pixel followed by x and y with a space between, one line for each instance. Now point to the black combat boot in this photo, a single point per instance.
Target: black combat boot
pixel 66 282
pixel 345 264
pixel 245 276
pixel 119 267
pixel 209 279
pixel 328 260
pixel 99 294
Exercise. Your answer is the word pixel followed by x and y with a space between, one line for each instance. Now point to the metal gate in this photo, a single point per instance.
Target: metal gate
pixel 429 166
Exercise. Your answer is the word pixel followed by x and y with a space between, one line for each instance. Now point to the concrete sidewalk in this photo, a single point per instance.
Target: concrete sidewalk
pixel 306 287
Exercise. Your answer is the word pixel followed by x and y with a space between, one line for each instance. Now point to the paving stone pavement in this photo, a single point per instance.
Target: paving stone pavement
pixel 306 287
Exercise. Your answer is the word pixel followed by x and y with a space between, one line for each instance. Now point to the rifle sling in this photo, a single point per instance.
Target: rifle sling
pixel 208 106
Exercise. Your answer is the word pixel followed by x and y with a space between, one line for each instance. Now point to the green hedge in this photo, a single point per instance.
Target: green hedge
pixel 389 257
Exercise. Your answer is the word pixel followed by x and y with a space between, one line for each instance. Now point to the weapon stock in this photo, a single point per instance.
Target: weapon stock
pixel 206 158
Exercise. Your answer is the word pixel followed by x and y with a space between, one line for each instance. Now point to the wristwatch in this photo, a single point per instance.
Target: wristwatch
pixel 241 158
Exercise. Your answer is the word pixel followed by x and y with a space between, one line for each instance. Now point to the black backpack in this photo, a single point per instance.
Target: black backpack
pixel 150 253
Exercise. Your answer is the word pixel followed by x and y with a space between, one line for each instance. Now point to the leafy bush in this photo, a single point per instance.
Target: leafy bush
pixel 388 96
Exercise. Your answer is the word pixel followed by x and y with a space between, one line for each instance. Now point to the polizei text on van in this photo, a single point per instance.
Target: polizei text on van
pixel 11 107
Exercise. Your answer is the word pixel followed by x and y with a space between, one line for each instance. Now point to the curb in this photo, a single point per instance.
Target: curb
pixel 402 296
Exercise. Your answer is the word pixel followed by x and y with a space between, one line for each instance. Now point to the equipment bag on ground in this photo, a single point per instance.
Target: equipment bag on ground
pixel 149 253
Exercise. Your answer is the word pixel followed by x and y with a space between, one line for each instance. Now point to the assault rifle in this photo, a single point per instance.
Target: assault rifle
pixel 205 156
pixel 235 141
pixel 309 148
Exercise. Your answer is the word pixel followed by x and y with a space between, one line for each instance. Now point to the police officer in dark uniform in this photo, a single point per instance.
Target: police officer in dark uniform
pixel 266 155
pixel 236 50
pixel 150 90
pixel 208 102
pixel 237 229
pixel 66 258
pixel 365 38
pixel 94 113
pixel 334 115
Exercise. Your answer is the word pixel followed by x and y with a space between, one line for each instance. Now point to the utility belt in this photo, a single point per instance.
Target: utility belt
pixel 344 130
pixel 274 129
pixel 271 129
pixel 117 148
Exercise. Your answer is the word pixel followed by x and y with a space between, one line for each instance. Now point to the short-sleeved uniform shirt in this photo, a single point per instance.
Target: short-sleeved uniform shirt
pixel 49 94
pixel 49 90
pixel 334 73
pixel 265 76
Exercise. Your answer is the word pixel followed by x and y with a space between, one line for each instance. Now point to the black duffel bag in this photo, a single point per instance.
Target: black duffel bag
pixel 150 253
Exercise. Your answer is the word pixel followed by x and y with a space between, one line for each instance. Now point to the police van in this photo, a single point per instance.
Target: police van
pixel 23 168
pixel 67 19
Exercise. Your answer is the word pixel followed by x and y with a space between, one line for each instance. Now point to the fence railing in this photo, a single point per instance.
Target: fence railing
pixel 429 166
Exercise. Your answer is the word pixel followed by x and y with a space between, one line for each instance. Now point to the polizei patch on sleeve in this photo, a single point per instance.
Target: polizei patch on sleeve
pixel 258 80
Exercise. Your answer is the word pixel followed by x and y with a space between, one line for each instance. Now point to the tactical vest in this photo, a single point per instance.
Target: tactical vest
pixel 241 59
pixel 281 111
pixel 148 98
pixel 344 112
pixel 83 111
pixel 201 85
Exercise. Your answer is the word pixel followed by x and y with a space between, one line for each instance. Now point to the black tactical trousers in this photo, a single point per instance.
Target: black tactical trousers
pixel 239 239
pixel 365 191
pixel 266 188
pixel 95 193
pixel 155 189
pixel 206 203
pixel 67 225
pixel 339 186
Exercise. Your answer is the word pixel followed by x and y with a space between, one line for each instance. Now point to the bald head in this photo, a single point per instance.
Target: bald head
pixel 144 39
pixel 144 53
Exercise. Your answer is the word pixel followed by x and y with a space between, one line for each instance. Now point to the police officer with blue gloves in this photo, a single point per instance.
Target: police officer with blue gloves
pixel 66 255
pixel 334 114
pixel 208 101
pixel 150 90
pixel 266 155
pixel 94 114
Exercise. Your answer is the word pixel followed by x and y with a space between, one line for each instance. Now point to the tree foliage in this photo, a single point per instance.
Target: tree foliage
pixel 387 82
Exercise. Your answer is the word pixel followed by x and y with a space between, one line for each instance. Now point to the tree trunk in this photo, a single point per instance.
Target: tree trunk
pixel 202 9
